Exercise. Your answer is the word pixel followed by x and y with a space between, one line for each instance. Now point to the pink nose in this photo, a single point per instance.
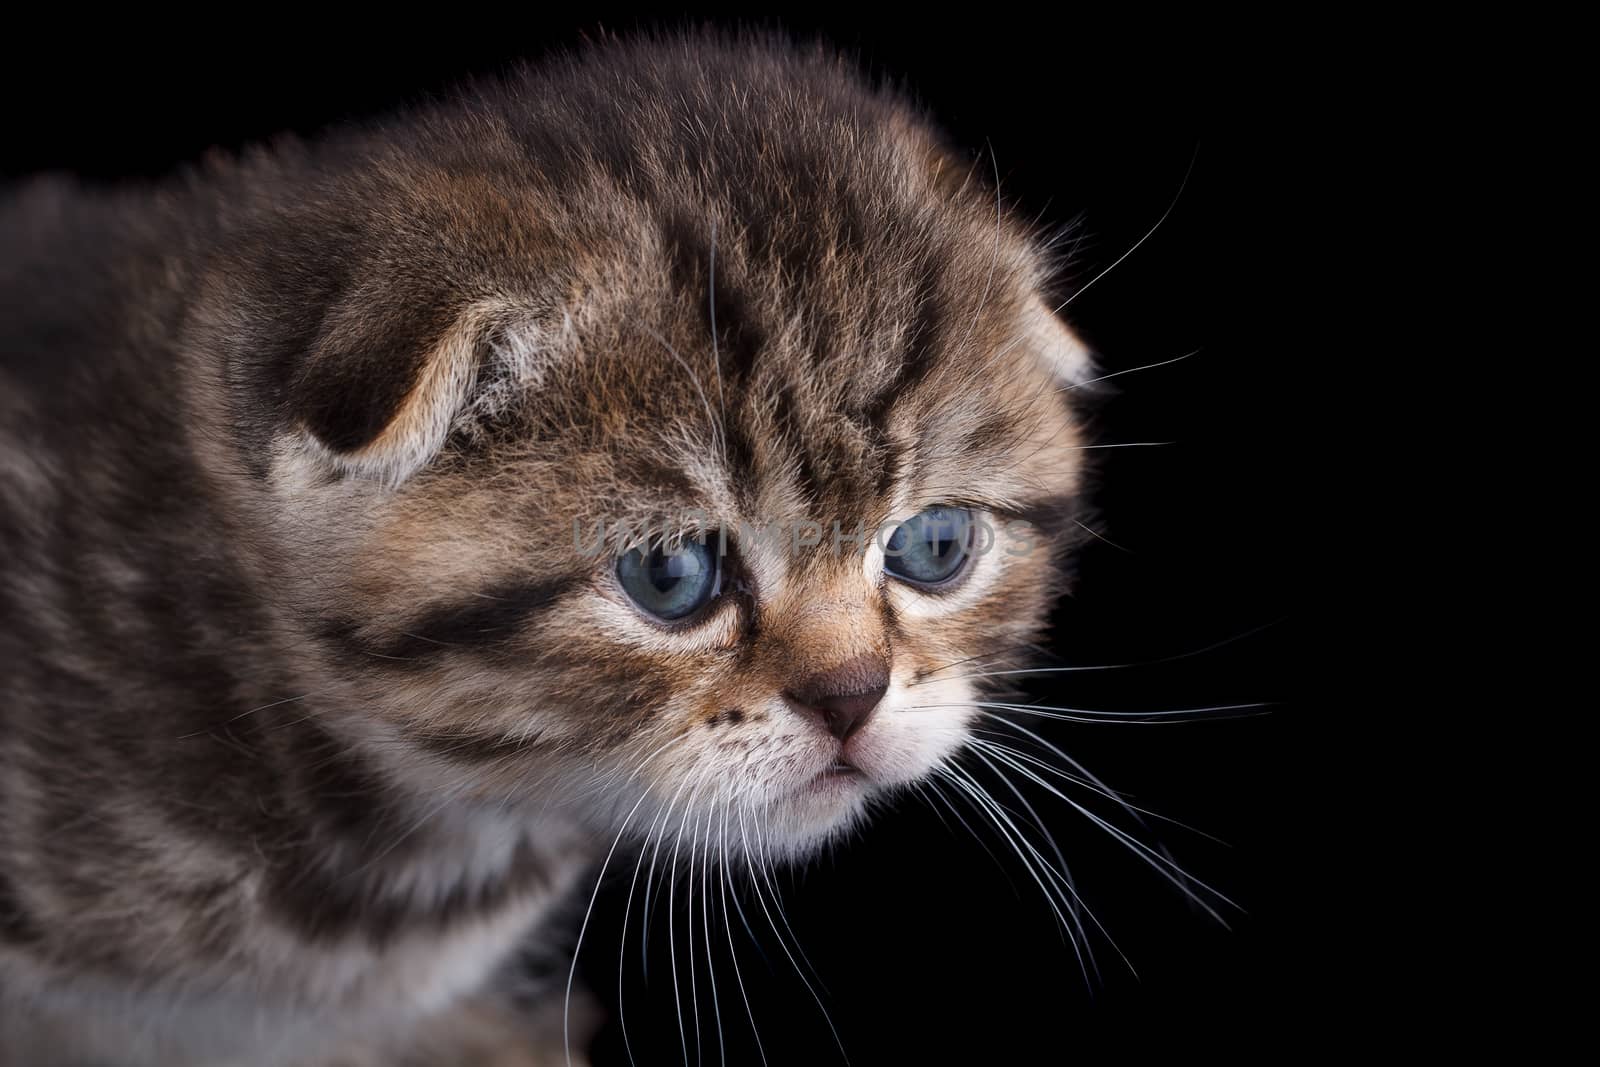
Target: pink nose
pixel 842 699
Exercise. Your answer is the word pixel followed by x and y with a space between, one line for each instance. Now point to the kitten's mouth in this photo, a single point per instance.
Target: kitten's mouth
pixel 838 777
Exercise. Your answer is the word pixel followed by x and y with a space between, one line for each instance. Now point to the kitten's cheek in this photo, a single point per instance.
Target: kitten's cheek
pixel 904 742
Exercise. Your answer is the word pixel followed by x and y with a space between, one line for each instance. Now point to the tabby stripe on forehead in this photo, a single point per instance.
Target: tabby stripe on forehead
pixel 790 428
pixel 924 337
pixel 486 620
pixel 722 304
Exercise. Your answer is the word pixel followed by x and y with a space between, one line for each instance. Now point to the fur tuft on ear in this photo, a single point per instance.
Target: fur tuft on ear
pixel 1067 357
pixel 378 403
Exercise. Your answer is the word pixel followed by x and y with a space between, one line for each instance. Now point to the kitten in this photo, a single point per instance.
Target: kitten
pixel 393 526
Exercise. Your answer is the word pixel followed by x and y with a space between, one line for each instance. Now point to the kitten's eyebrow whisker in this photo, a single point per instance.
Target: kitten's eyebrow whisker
pixel 1098 536
pixel 1123 444
pixel 1129 370
pixel 711 419
pixel 1116 262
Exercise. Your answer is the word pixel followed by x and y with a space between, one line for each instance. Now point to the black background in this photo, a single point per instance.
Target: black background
pixel 929 950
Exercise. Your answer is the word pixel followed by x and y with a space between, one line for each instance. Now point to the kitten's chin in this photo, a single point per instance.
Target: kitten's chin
pixel 816 812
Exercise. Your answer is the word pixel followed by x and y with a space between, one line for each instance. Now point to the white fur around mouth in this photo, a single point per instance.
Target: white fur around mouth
pixel 839 779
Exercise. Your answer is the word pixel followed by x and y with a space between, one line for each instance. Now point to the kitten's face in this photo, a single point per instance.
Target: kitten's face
pixel 469 571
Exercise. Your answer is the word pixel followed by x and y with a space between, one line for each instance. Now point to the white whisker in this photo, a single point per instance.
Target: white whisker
pixel 1176 875
pixel 1007 754
pixel 1094 667
pixel 572 971
pixel 694 379
pixel 994 259
pixel 1035 864
pixel 727 928
pixel 755 884
pixel 657 831
pixel 1077 901
pixel 933 784
pixel 1105 790
pixel 768 866
pixel 1150 232
pixel 705 923
pixel 1129 370
pixel 1104 718
pixel 1098 536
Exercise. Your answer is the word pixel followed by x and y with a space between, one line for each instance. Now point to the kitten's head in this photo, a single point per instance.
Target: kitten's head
pixel 666 438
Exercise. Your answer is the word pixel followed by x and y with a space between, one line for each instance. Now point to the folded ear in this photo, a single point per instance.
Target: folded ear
pixel 1066 356
pixel 382 386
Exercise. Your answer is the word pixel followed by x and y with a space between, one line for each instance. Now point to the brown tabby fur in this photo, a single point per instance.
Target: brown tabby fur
pixel 312 707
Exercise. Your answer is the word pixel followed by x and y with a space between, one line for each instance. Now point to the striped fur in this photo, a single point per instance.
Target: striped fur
pixel 315 705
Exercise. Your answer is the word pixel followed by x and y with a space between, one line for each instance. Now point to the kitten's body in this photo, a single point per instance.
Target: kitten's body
pixel 311 710
pixel 187 859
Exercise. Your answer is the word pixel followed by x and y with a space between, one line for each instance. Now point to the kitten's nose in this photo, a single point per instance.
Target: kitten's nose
pixel 843 697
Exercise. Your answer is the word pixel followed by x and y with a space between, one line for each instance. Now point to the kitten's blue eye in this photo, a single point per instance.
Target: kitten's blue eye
pixel 932 548
pixel 670 585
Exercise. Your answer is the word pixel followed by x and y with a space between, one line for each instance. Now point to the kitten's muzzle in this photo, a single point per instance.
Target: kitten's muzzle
pixel 843 698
